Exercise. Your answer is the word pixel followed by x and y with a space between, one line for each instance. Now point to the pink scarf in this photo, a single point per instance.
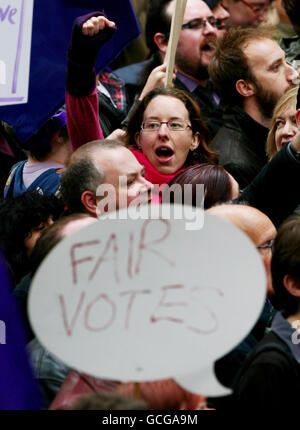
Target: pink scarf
pixel 151 174
pixel 154 176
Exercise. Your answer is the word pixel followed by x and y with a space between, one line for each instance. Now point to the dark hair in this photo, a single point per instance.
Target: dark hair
pixel 40 144
pixel 18 216
pixel 229 64
pixel 50 238
pixel 80 176
pixel 202 153
pixel 292 8
pixel 286 261
pixel 216 183
pixel 157 21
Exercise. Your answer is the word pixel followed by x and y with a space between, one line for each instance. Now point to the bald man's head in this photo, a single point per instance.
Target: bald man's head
pixel 256 225
pixel 86 170
pixel 103 171
pixel 91 149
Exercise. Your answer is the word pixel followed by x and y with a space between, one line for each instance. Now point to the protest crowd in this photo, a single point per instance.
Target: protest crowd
pixel 230 120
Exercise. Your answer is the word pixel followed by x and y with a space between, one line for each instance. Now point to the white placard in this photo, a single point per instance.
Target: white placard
pixel 147 299
pixel 15 42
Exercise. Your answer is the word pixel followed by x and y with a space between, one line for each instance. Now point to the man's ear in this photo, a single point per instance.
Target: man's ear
pixel 298 118
pixel 89 201
pixel 245 88
pixel 292 285
pixel 161 42
pixel 57 138
pixel 137 140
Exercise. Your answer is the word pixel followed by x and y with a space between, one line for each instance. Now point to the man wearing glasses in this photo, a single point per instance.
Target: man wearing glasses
pixel 246 12
pixel 195 49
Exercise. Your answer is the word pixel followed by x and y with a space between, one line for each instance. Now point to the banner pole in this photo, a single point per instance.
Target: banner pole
pixel 173 39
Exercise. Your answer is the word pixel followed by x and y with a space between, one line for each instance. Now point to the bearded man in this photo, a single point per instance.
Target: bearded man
pixel 250 74
pixel 196 46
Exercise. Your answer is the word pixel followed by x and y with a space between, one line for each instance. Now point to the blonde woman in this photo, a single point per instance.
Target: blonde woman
pixel 283 125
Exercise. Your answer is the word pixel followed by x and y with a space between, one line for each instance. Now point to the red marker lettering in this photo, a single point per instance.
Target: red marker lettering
pixel 74 262
pixel 130 256
pixel 69 327
pixel 210 330
pixel 143 246
pixel 163 304
pixel 111 241
pixel 215 323
pixel 130 303
pixel 89 308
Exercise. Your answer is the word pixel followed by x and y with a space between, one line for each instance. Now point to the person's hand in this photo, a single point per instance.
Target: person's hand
pixel 155 79
pixel 96 24
pixel 89 33
pixel 117 134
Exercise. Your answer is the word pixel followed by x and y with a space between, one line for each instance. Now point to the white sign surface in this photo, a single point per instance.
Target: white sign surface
pixel 15 43
pixel 146 299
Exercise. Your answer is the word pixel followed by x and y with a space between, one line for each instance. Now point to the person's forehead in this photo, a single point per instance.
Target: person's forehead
pixel 263 52
pixel 255 3
pixel 286 113
pixel 260 228
pixel 118 161
pixel 220 12
pixel 194 9
pixel 255 224
pixel 259 2
pixel 165 105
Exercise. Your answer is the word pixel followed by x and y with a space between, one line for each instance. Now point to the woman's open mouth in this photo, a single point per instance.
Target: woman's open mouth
pixel 164 154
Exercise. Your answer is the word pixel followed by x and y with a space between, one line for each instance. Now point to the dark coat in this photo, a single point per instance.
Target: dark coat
pixel 240 143
pixel 274 191
pixel 211 112
pixel 271 381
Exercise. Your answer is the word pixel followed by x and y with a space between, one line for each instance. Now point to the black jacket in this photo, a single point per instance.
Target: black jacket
pixel 275 190
pixel 240 143
pixel 271 380
pixel 211 112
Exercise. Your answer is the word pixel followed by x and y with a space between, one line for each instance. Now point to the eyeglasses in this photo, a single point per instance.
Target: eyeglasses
pixel 173 125
pixel 220 23
pixel 268 245
pixel 199 23
pixel 257 10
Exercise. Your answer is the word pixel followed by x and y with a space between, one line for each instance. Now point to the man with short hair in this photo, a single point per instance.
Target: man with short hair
pixel 195 49
pixel 244 13
pixel 110 164
pixel 250 74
